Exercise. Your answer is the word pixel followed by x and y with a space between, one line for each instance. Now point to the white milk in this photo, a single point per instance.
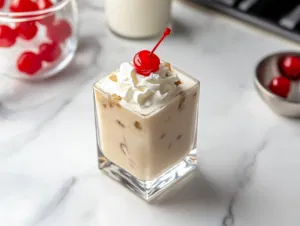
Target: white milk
pixel 137 18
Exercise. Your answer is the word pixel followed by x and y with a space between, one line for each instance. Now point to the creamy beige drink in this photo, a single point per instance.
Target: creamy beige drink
pixel 146 124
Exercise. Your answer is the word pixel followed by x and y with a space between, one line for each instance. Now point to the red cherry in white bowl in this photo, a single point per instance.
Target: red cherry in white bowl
pixel 276 89
pixel 290 66
pixel 146 62
pixel 280 86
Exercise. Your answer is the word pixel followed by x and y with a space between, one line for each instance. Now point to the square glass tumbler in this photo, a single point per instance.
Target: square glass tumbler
pixel 147 153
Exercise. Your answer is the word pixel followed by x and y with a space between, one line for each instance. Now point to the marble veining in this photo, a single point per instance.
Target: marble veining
pixel 248 156
pixel 55 201
pixel 243 179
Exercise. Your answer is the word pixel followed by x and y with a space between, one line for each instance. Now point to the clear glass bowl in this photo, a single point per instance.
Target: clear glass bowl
pixel 37 44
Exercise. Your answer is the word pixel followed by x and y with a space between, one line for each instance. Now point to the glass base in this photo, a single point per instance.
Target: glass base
pixel 148 190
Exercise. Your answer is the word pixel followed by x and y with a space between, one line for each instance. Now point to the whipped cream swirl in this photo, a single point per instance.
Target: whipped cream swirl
pixel 142 90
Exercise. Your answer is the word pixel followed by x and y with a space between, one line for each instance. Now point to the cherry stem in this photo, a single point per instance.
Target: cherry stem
pixel 165 34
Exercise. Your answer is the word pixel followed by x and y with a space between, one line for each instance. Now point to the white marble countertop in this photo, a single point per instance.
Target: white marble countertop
pixel 249 157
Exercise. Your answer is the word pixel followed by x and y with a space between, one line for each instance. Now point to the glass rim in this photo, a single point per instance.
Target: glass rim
pixel 32 14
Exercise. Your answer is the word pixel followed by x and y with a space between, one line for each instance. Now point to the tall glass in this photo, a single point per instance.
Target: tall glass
pixel 147 152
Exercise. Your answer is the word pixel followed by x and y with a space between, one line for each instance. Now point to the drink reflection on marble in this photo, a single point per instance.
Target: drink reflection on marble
pixel 146 125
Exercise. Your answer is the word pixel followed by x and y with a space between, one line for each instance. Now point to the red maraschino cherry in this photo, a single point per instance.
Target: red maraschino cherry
pixel 290 66
pixel 280 86
pixel 48 18
pixel 146 62
pixel 26 30
pixel 60 31
pixel 23 6
pixel 29 63
pixel 49 52
pixel 2 2
pixel 7 36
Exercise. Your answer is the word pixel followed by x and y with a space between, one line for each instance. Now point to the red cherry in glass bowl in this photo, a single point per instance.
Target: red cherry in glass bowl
pixel 38 38
pixel 23 6
pixel 26 30
pixel 276 89
pixel 49 52
pixel 8 36
pixel 290 66
pixel 48 19
pixel 2 2
pixel 29 63
pixel 59 31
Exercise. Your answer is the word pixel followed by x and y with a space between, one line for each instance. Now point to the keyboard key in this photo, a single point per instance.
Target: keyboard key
pixel 247 4
pixel 227 2
pixel 272 10
pixel 297 28
pixel 290 20
pixel 257 7
pixel 237 2
pixel 272 15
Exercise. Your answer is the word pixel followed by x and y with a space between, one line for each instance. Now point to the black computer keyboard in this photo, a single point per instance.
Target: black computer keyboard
pixel 279 16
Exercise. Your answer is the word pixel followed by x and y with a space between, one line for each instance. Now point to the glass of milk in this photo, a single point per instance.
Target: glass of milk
pixel 137 18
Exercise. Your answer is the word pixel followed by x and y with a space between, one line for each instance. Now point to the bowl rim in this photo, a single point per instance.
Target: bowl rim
pixel 261 86
pixel 7 15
